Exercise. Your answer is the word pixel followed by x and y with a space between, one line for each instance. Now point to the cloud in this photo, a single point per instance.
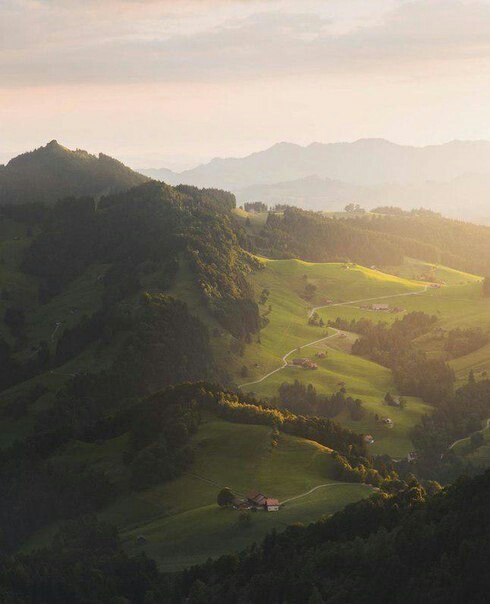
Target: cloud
pixel 52 42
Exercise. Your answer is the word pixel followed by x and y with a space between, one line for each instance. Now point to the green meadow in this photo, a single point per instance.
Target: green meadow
pixel 341 290
pixel 181 521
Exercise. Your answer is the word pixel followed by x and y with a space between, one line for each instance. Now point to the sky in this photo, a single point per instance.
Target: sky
pixel 173 83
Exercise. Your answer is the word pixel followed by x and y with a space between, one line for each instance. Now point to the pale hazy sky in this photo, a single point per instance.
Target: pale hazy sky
pixel 175 82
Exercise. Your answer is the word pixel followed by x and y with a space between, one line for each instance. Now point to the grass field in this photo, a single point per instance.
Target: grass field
pixel 479 456
pixel 457 304
pixel 288 330
pixel 181 521
pixel 190 527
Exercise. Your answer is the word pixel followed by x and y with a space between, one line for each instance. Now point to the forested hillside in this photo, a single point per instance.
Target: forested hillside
pixel 404 548
pixel 120 313
pixel 379 238
pixel 414 546
pixel 461 245
pixel 53 172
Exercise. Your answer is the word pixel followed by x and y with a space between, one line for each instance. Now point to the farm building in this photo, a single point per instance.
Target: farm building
pixel 299 362
pixel 380 307
pixel 320 355
pixel 241 504
pixel 256 499
pixel 305 363
pixel 272 505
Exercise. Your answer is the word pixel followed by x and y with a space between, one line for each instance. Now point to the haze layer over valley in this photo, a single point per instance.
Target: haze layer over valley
pixel 453 178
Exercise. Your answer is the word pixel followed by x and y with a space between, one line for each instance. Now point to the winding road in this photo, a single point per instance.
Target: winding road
pixel 320 486
pixel 460 440
pixel 336 331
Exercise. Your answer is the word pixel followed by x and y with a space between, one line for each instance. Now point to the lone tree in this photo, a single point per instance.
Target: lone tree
pixel 225 497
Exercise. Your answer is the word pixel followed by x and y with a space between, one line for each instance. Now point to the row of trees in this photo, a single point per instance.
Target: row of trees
pixel 304 400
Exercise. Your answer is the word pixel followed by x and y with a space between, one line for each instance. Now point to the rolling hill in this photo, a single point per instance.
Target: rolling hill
pixel 53 172
pixel 106 304
pixel 180 520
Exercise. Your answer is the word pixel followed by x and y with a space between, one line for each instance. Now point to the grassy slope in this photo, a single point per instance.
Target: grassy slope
pixel 458 304
pixel 479 456
pixel 191 527
pixel 288 329
pixel 180 519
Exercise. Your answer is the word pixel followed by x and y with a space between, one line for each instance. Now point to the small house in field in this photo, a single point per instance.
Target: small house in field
pixel 368 439
pixel 299 362
pixel 387 421
pixel 305 363
pixel 272 505
pixel 383 307
pixel 310 365
pixel 320 355
pixel 256 499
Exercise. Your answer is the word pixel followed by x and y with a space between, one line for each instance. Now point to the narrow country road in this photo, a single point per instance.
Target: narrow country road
pixel 284 359
pixel 320 486
pixel 336 331
pixel 460 440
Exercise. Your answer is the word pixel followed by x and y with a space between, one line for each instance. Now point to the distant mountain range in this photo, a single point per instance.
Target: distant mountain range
pixel 53 172
pixel 453 178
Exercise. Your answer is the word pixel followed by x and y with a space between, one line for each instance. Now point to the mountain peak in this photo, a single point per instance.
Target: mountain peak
pixel 52 172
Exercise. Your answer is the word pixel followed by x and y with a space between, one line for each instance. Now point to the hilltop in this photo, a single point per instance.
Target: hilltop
pixel 53 172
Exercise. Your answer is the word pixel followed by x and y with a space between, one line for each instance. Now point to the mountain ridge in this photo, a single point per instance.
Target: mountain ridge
pixel 371 171
pixel 53 171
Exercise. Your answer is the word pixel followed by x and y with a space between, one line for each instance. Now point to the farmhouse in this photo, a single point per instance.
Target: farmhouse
pixel 299 362
pixel 380 307
pixel 256 499
pixel 305 363
pixel 387 421
pixel 272 505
